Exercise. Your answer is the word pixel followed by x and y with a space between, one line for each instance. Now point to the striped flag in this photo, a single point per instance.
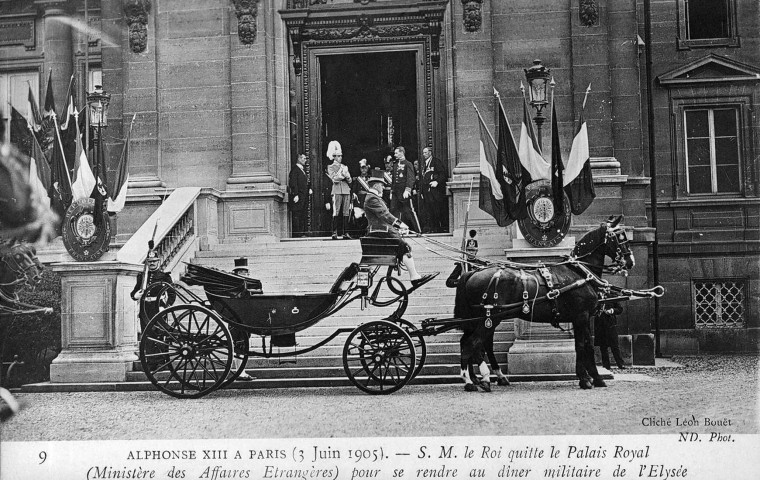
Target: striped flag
pixel 579 181
pixel 83 181
pixel 530 151
pixel 490 194
pixel 118 195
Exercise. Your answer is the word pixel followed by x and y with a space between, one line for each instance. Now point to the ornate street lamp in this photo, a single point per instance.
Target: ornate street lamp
pixel 97 109
pixel 538 79
pixel 97 103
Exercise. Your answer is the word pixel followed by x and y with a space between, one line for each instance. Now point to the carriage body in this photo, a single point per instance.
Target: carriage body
pixel 273 315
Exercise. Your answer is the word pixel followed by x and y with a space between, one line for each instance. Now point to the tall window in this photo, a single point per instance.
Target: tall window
pixel 14 91
pixel 712 150
pixel 707 19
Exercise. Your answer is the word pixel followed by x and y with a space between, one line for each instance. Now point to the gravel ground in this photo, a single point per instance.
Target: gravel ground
pixel 715 386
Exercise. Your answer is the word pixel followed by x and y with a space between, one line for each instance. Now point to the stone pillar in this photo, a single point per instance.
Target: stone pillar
pixel 540 348
pixel 260 140
pixel 57 47
pixel 98 322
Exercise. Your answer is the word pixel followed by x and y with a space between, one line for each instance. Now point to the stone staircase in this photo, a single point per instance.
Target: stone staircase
pixel 311 266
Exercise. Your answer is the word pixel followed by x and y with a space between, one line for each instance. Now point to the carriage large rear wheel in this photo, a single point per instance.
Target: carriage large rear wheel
pixel 379 357
pixel 186 351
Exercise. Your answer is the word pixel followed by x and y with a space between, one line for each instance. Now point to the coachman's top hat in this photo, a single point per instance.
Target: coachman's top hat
pixel 241 262
pixel 376 176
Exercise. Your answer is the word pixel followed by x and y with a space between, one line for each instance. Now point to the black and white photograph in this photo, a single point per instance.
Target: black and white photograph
pixel 379 239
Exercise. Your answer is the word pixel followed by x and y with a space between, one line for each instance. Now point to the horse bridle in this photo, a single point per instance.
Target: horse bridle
pixel 621 250
pixel 17 269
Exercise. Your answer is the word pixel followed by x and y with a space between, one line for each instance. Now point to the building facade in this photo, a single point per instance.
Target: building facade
pixel 228 92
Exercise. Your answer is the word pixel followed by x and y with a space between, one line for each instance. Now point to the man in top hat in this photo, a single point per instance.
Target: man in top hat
pixel 241 267
pixel 402 184
pixel 341 190
pixel 383 224
pixel 152 304
pixel 298 190
pixel 239 336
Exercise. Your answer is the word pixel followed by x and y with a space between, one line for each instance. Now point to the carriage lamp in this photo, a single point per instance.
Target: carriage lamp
pixel 363 279
pixel 97 103
pixel 538 80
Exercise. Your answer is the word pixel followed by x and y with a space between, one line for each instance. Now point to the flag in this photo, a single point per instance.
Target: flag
pixel 579 182
pixel 21 135
pixel 491 197
pixel 558 194
pixel 34 119
pixel 530 151
pixel 511 174
pixel 47 135
pixel 68 110
pixel 83 181
pixel 41 166
pixel 100 193
pixel 49 100
pixel 39 174
pixel 118 192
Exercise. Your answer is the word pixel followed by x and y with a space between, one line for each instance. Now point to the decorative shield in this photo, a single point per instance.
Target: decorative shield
pixel 544 227
pixel 83 239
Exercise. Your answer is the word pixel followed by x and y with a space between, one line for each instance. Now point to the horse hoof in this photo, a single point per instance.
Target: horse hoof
pixel 599 382
pixel 585 385
pixel 502 382
pixel 486 386
pixel 470 388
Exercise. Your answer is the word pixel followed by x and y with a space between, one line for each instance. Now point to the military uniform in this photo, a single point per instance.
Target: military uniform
pixel 382 223
pixel 402 180
pixel 606 334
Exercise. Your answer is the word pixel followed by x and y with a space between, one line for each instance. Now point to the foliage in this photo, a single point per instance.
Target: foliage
pixel 36 338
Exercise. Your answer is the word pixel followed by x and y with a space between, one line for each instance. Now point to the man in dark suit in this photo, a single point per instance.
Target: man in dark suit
pixel 298 189
pixel 402 184
pixel 433 191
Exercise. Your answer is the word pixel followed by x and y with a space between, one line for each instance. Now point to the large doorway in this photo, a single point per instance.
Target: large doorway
pixel 369 103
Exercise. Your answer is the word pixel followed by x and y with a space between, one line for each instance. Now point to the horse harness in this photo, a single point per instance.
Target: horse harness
pixel 541 275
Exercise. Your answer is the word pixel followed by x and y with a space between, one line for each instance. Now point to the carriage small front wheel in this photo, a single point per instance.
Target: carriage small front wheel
pixel 186 351
pixel 379 357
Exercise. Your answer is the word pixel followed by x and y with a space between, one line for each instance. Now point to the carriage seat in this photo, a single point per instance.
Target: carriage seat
pixel 379 251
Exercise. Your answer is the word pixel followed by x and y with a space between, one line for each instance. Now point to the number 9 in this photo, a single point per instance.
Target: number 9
pixel 43 457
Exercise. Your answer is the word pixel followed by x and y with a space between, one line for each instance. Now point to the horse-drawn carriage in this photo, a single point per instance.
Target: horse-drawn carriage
pixel 188 349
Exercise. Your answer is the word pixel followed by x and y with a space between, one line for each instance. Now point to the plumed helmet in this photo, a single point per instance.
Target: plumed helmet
pixel 153 260
pixel 333 148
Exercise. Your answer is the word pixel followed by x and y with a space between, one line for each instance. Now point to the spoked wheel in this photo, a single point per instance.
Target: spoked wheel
pixel 241 344
pixel 378 357
pixel 420 347
pixel 186 351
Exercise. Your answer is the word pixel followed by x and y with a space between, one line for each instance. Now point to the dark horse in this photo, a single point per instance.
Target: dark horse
pixel 564 292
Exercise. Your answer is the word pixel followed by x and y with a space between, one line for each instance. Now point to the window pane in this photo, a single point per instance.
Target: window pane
pixel 699 151
pixel 699 180
pixel 728 179
pixel 707 18
pixel 725 122
pixel 726 152
pixel 696 124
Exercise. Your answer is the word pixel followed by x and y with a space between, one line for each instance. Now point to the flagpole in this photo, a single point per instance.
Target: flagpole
pixel 60 144
pixel 484 123
pixel 466 218
pixel 86 82
pixel 588 90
